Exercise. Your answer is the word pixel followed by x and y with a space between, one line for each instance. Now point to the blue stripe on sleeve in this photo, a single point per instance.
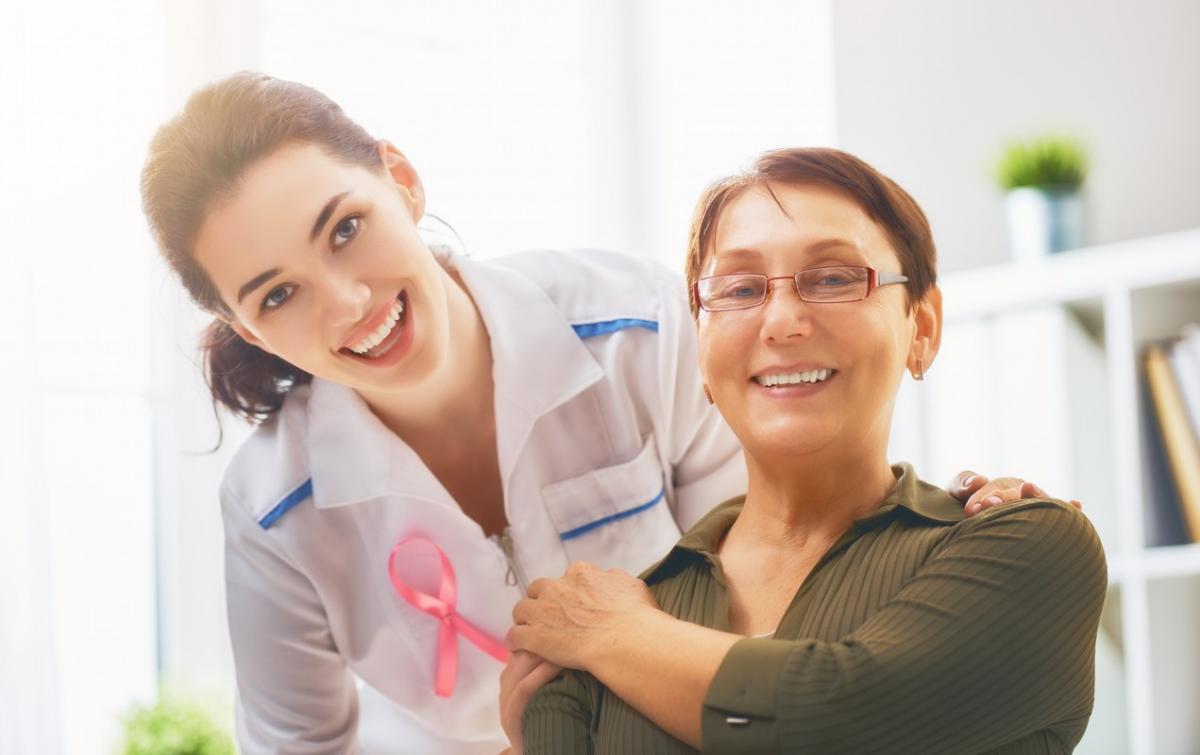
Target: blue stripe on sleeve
pixel 297 496
pixel 589 329
pixel 583 530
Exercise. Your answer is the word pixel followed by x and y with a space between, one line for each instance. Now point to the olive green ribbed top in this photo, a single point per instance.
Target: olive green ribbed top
pixel 919 631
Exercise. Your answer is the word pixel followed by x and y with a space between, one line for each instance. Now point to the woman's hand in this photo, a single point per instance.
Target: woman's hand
pixel 523 675
pixel 566 620
pixel 980 494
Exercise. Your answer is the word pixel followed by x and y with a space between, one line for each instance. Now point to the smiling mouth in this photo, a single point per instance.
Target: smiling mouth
pixel 385 337
pixel 786 380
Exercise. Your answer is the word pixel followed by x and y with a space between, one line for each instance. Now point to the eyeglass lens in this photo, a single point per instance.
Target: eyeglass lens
pixel 824 284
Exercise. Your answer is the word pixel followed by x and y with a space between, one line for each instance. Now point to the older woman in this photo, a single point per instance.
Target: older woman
pixel 842 604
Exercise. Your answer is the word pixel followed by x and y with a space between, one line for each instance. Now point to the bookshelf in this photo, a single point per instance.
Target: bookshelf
pixel 1040 376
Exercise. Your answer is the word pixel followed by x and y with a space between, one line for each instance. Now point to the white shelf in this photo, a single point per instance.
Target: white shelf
pixel 1073 276
pixel 1162 562
pixel 1171 561
pixel 1040 376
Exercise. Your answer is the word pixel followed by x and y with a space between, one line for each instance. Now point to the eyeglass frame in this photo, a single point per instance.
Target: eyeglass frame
pixel 875 279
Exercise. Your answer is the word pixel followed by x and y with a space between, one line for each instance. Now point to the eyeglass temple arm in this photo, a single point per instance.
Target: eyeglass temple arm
pixel 883 278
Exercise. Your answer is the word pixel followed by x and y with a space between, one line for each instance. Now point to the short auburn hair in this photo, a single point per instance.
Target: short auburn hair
pixel 881 198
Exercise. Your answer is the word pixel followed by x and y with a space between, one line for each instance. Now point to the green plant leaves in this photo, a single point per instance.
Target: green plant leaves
pixel 1050 162
pixel 174 725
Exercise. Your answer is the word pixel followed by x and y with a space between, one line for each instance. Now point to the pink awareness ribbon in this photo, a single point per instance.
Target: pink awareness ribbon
pixel 442 608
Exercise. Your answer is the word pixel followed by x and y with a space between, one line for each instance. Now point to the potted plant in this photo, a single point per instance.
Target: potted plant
pixel 175 725
pixel 1043 179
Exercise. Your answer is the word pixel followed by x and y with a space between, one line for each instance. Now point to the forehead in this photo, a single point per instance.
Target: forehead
pixel 785 219
pixel 271 211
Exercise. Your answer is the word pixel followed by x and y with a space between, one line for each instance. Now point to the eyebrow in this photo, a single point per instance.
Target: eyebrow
pixel 323 216
pixel 737 253
pixel 257 281
pixel 753 254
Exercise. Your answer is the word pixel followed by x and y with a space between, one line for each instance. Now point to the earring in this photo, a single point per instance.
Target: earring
pixel 708 395
pixel 919 373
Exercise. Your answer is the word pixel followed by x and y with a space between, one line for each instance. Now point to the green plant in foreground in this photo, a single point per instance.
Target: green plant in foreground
pixel 174 725
pixel 1052 162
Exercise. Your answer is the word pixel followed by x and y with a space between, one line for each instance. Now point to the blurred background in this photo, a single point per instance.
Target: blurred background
pixel 575 123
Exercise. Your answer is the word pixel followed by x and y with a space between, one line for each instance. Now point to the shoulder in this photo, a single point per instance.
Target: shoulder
pixel 594 285
pixel 1041 536
pixel 1052 516
pixel 270 469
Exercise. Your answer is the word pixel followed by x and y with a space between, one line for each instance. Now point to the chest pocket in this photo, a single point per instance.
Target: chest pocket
pixel 616 516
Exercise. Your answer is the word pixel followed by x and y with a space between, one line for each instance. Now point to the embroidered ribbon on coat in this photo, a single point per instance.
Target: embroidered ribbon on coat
pixel 442 608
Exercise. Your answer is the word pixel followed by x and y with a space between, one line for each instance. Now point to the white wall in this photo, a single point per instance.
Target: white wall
pixel 203 39
pixel 929 90
pixel 77 528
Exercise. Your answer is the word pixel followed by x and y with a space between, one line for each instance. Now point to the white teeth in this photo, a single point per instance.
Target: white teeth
pixel 385 328
pixel 793 378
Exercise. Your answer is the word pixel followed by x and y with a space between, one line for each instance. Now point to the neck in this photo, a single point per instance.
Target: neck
pixel 797 502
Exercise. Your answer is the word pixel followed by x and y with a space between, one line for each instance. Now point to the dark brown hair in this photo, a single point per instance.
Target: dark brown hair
pixel 195 160
pixel 881 198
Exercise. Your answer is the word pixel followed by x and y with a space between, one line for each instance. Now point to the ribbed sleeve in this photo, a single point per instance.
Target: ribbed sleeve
pixel 1000 619
pixel 558 719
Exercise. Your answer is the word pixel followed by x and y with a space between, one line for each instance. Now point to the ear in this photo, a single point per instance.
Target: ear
pixel 247 335
pixel 927 314
pixel 405 176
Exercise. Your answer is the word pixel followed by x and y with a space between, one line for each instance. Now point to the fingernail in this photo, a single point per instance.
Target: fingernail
pixel 992 500
pixel 1041 493
pixel 969 479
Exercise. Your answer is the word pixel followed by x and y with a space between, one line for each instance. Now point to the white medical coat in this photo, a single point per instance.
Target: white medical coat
pixel 607 450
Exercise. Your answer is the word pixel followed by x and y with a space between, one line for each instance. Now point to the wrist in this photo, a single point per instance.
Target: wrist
pixel 617 643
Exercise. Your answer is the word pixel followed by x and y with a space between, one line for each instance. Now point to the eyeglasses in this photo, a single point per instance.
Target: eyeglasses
pixel 820 285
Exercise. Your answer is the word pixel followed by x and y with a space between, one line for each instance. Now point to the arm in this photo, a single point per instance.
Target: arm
pixel 609 624
pixel 295 694
pixel 1004 614
pixel 523 675
pixel 558 719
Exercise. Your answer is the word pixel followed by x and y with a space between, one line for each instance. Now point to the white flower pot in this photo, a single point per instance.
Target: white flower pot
pixel 1043 221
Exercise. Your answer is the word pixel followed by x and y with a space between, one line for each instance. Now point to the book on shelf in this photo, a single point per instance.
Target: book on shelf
pixel 1184 356
pixel 1173 377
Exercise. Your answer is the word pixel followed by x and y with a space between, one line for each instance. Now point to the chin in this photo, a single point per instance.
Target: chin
pixel 789 438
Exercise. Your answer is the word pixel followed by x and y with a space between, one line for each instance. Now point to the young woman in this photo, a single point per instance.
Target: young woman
pixel 841 604
pixel 433 431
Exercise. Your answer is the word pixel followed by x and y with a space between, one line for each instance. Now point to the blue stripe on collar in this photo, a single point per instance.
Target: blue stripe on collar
pixel 586 528
pixel 589 329
pixel 294 498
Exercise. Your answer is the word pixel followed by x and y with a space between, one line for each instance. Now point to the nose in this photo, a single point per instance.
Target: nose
pixel 784 314
pixel 346 299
